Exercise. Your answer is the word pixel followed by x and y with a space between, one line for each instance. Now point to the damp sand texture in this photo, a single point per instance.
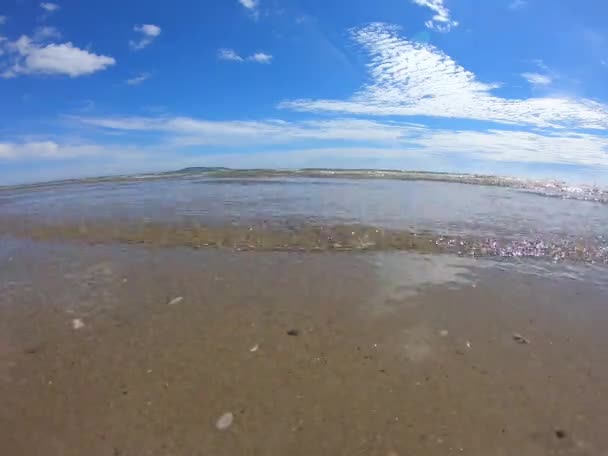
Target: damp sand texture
pixel 110 347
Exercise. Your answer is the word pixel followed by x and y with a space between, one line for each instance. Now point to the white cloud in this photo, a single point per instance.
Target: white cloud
pixel 49 7
pixel 260 57
pixel 252 6
pixel 416 79
pixel 136 80
pixel 45 150
pixel 399 138
pixel 229 54
pixel 441 21
pixel 25 56
pixel 518 4
pixel 537 79
pixel 189 131
pixel 249 4
pixel 149 32
pixel 232 56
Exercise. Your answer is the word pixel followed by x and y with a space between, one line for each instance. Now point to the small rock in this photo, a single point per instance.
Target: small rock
pixel 443 332
pixel 254 348
pixel 520 339
pixel 77 323
pixel 225 421
pixel 560 433
pixel 293 332
pixel 468 344
pixel 176 300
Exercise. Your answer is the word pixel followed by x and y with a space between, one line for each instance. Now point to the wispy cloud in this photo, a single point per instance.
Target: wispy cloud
pixel 49 7
pixel 229 54
pixel 190 131
pixel 441 21
pixel 518 5
pixel 136 80
pixel 232 56
pixel 45 150
pixel 46 33
pixel 537 79
pixel 3 20
pixel 148 33
pixel 415 79
pixel 252 6
pixel 260 57
pixel 393 137
pixel 30 56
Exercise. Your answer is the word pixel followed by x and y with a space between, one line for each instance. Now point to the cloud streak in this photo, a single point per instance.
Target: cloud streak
pixel 537 79
pixel 496 145
pixel 136 80
pixel 231 55
pixel 416 79
pixel 441 21
pixel 49 7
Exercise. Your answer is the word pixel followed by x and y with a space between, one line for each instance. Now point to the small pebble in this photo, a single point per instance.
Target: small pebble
pixel 225 421
pixel 77 323
pixel 443 332
pixel 520 339
pixel 176 300
pixel 254 348
pixel 293 332
pixel 560 434
pixel 468 344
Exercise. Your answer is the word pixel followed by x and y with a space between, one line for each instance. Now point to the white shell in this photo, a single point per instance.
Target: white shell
pixel 77 323
pixel 225 421
pixel 176 300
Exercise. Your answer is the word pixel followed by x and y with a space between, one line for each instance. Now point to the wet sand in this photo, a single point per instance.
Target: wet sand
pixel 390 353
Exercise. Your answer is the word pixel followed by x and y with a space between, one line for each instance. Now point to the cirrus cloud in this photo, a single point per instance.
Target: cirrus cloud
pixel 417 79
pixel 49 7
pixel 441 21
pixel 232 56
pixel 554 147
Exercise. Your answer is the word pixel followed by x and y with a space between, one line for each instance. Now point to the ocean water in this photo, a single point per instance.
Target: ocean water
pixel 489 220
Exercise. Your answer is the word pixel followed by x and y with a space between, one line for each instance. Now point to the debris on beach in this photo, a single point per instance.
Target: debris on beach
pixel 293 332
pixel 77 323
pixel 225 421
pixel 254 348
pixel 560 433
pixel 468 344
pixel 520 339
pixel 176 300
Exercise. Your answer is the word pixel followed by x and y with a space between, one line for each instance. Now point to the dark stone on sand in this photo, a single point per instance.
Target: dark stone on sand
pixel 293 332
pixel 33 350
pixel 560 433
pixel 520 339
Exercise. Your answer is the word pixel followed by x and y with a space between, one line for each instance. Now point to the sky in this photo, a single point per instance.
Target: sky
pixel 508 87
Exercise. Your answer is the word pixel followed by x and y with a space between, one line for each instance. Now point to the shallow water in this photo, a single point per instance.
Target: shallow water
pixel 449 208
pixel 489 220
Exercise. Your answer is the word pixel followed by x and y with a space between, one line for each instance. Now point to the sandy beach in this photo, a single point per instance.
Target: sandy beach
pixel 294 353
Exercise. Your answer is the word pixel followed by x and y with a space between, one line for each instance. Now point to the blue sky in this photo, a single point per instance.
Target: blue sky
pixel 515 87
